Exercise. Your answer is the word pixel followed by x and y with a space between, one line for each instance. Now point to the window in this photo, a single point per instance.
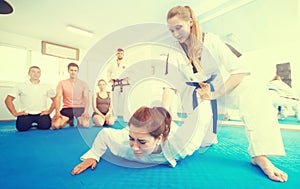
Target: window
pixel 13 62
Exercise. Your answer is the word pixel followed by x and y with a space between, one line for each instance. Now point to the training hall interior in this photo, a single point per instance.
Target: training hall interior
pixel 50 35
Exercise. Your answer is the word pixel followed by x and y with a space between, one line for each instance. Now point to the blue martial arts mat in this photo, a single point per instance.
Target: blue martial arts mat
pixel 290 120
pixel 44 159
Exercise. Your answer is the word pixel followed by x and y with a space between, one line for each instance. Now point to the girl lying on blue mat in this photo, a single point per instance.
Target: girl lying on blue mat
pixel 150 137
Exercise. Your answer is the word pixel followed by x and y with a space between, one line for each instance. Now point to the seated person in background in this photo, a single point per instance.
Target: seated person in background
pixel 33 96
pixel 75 95
pixel 283 96
pixel 102 106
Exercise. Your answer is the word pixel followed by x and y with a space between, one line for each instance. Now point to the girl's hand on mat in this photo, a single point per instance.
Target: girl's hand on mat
pixel 84 165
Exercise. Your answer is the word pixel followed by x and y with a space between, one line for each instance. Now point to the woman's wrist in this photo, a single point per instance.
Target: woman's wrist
pixel 215 95
pixel 91 160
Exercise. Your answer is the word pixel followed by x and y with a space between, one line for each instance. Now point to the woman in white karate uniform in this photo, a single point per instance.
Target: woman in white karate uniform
pixel 206 55
pixel 149 138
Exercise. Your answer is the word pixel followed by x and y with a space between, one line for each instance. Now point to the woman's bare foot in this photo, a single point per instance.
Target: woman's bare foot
pixel 269 169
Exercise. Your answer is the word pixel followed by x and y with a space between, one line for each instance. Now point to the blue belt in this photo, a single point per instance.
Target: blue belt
pixel 212 102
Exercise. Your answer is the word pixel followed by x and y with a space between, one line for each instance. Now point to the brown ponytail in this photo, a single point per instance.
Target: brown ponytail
pixel 195 46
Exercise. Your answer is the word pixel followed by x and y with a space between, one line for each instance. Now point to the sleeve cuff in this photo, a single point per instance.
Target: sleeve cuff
pixel 90 154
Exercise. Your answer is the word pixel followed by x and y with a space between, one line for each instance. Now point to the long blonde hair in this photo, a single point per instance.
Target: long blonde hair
pixel 195 46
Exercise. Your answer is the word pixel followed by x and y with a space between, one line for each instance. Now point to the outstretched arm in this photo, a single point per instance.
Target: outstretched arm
pixel 232 82
pixel 107 138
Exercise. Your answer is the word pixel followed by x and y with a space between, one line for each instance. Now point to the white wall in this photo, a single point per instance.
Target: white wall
pixel 4 113
pixel 267 32
pixel 12 40
pixel 143 93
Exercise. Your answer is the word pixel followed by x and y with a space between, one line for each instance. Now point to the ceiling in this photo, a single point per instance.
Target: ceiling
pixel 47 20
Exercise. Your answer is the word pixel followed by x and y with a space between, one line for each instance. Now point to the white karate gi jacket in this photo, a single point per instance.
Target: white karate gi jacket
pixel 182 141
pixel 250 96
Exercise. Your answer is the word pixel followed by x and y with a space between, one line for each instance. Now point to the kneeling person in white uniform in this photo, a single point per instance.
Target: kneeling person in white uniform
pixel 33 96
